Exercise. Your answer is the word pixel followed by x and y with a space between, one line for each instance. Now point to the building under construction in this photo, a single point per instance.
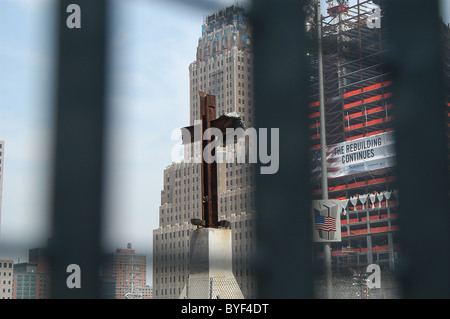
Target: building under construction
pixel 359 131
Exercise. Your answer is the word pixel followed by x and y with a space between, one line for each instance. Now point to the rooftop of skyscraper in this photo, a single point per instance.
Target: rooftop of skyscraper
pixel 229 11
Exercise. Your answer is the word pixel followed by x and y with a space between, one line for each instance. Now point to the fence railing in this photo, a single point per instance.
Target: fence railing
pixel 415 60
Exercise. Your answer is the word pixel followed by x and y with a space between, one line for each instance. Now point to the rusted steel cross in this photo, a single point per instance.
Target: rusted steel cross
pixel 209 167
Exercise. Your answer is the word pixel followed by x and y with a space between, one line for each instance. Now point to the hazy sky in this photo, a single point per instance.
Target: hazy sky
pixel 26 64
pixel 152 44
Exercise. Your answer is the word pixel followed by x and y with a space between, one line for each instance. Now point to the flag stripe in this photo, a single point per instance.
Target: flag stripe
pixel 325 223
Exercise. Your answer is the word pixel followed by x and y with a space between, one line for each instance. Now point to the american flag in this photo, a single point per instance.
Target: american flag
pixel 325 223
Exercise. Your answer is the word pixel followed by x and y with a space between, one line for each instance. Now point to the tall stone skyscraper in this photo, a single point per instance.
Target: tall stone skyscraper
pixel 223 67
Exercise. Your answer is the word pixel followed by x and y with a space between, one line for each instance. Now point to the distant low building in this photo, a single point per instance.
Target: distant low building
pixel 32 278
pixel 127 271
pixel 6 278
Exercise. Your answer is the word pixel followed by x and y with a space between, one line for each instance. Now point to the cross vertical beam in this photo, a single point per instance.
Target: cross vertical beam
pixel 209 167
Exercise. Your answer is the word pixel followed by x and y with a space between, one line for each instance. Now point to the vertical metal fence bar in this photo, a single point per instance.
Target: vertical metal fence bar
pixel 283 226
pixel 417 66
pixel 77 185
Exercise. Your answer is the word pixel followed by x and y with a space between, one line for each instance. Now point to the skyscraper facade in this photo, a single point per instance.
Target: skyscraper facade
pixel 223 68
pixel 6 278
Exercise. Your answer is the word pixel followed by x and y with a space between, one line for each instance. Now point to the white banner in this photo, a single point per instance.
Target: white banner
pixel 361 155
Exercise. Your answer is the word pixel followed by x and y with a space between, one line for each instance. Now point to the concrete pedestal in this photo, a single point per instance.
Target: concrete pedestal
pixel 210 269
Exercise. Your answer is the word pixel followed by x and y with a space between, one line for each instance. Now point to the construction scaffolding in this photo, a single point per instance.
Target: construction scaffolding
pixel 357 102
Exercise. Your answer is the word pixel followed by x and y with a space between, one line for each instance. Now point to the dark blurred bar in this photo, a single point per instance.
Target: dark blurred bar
pixel 416 61
pixel 78 170
pixel 283 200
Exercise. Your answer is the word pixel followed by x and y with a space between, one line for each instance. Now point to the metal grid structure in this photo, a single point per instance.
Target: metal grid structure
pixel 358 103
pixel 213 288
pixel 366 72
pixel 417 96
pixel 358 91
pixel 354 286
